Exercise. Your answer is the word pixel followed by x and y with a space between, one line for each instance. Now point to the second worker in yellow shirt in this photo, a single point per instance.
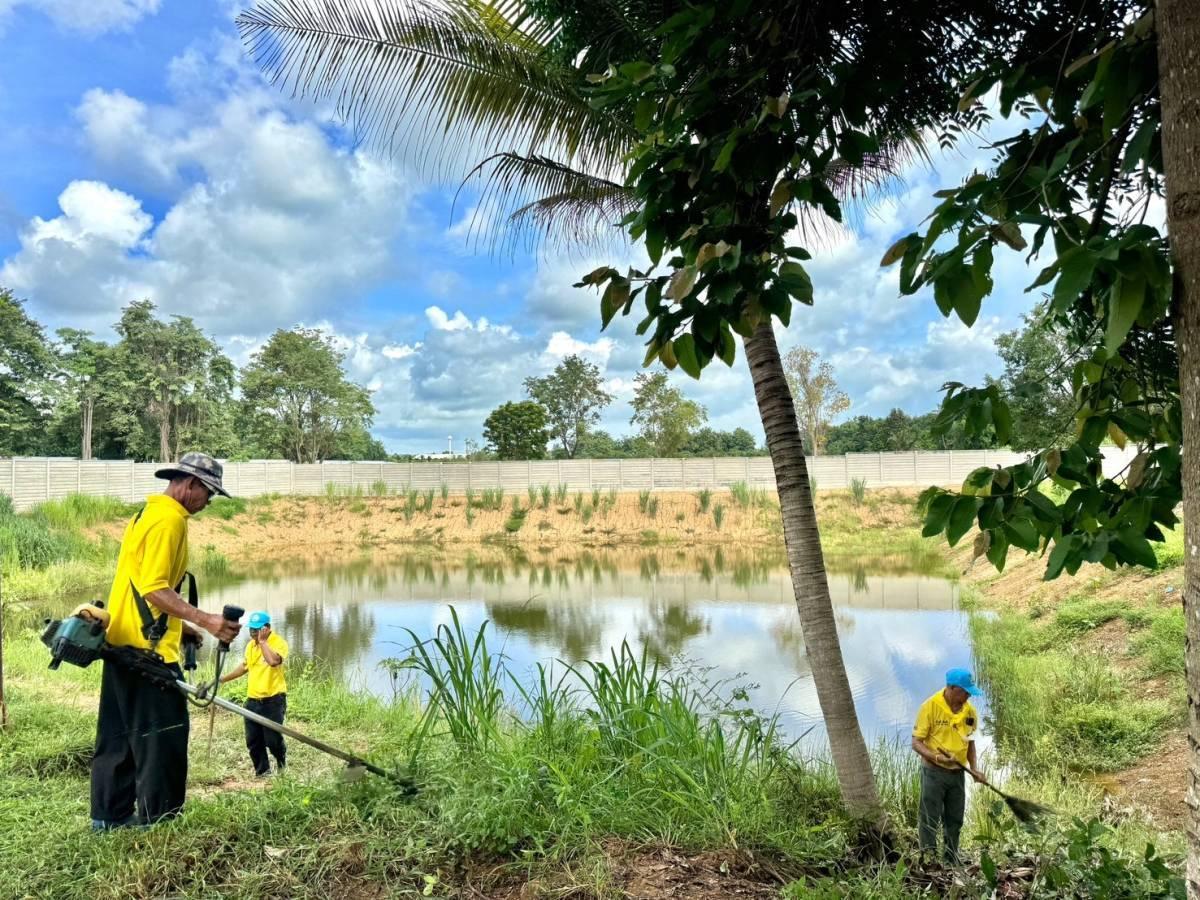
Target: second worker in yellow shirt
pixel 266 693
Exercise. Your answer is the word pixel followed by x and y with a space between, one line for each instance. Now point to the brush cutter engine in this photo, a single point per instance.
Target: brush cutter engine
pixel 79 638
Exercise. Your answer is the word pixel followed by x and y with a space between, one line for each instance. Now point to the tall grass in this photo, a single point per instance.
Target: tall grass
pixel 643 501
pixel 465 679
pixel 704 496
pixel 379 488
pixel 746 496
pixel 858 490
pixel 545 491
pixel 560 494
pixel 445 491
pixel 533 495
pixel 718 516
pixel 1056 707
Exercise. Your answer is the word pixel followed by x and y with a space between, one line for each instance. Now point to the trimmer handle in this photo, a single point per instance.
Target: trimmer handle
pixel 230 614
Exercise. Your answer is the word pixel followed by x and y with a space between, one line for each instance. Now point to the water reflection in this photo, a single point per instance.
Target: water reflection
pixel 731 613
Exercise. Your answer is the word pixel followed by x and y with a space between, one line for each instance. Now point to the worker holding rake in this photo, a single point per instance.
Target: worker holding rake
pixel 942 737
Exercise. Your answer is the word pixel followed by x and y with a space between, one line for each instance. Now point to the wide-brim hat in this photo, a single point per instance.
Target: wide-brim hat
pixel 198 465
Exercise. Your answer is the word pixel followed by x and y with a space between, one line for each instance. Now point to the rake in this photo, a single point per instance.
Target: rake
pixel 1025 811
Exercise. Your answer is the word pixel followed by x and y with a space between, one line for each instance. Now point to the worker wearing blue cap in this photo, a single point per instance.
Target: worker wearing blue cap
pixel 942 737
pixel 266 693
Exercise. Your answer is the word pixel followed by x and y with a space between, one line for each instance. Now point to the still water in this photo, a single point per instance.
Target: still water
pixel 732 616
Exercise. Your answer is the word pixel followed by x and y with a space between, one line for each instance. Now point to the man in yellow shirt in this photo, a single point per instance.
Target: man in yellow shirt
pixel 139 768
pixel 266 693
pixel 942 737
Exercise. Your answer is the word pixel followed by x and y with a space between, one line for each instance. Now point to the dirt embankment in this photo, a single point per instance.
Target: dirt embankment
pixel 271 527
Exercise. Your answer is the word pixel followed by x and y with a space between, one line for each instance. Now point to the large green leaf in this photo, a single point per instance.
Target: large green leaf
pixel 1124 303
pixel 685 354
pixel 962 517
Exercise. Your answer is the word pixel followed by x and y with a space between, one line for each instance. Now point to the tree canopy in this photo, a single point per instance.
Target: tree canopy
pixel 298 400
pixel 517 430
pixel 573 396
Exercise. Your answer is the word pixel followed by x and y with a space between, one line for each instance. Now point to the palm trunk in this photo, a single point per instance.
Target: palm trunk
pixel 775 406
pixel 89 408
pixel 1178 29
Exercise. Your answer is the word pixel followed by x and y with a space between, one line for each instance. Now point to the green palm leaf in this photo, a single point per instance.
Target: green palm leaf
pixel 555 205
pixel 418 78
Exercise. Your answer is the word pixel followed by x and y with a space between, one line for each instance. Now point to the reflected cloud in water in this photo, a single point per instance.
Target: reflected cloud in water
pixel 731 614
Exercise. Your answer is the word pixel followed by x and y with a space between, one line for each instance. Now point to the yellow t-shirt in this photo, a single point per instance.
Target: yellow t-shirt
pixel 265 681
pixel 154 555
pixel 942 729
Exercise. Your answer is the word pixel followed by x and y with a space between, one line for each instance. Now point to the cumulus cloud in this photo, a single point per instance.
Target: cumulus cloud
pixel 277 226
pixel 87 17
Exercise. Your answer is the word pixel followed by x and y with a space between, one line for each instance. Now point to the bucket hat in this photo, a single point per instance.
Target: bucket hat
pixel 198 465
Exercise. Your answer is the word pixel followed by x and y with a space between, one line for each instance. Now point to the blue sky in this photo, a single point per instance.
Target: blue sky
pixel 144 156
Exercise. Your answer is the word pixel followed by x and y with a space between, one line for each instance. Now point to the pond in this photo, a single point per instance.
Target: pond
pixel 731 616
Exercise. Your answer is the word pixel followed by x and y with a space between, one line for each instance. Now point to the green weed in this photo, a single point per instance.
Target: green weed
pixel 704 496
pixel 1161 644
pixel 858 490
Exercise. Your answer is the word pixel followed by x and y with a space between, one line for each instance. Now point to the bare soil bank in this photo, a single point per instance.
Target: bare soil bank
pixel 882 526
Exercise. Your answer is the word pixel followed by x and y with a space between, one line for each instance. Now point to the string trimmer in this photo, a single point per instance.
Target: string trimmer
pixel 79 640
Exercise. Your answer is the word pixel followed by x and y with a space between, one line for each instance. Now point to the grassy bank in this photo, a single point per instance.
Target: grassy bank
pixel 663 781
pixel 665 786
pixel 67 548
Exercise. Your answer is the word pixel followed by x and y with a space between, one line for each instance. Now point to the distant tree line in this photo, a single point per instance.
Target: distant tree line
pixel 564 406
pixel 557 420
pixel 165 387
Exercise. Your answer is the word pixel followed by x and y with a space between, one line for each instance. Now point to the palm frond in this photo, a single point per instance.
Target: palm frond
pixel 535 202
pixel 417 76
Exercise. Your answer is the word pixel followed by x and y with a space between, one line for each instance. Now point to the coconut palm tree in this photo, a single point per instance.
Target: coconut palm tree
pixel 421 81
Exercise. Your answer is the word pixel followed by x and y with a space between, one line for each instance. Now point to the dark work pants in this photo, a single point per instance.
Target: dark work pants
pixel 943 801
pixel 259 739
pixel 140 764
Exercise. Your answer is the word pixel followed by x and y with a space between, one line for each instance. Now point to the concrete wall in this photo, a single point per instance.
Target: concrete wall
pixel 31 480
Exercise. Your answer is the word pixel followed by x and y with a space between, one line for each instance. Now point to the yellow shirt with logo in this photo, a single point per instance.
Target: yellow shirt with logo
pixel 154 555
pixel 265 680
pixel 942 729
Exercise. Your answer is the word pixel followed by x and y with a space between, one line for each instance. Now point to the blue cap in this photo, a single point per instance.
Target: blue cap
pixel 259 619
pixel 961 678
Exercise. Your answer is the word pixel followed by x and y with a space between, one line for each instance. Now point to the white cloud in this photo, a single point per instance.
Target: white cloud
pixel 88 17
pixel 562 345
pixel 278 225
pixel 459 322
